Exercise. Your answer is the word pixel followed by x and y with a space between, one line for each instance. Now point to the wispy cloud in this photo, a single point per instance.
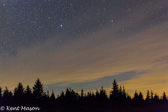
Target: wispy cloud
pixel 105 82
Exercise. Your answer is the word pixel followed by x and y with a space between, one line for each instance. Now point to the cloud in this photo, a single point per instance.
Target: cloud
pixel 106 82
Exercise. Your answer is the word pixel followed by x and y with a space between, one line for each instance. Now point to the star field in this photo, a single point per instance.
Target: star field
pixel 26 23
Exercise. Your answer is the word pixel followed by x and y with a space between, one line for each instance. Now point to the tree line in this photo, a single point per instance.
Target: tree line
pixel 36 96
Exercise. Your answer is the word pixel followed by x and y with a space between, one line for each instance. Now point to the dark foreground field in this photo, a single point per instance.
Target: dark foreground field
pixel 121 108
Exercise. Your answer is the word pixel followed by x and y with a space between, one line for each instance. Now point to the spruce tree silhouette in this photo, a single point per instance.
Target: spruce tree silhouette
pixel 103 95
pixel 120 95
pixel 61 98
pixel 19 94
pixel 152 96
pixel 148 96
pixel 82 93
pixel 90 98
pixel 28 92
pixel 124 94
pixel 28 95
pixel 71 96
pixel 51 100
pixel 164 97
pixel 140 96
pixel 7 97
pixel 97 96
pixel 156 98
pixel 0 96
pixel 38 89
pixel 136 96
pixel 52 97
pixel 114 92
pixel 82 97
pixel 62 95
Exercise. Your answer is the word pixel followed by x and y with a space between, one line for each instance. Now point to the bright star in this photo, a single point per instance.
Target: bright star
pixel 61 25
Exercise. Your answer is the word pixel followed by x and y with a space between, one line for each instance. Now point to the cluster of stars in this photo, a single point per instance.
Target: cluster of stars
pixel 25 23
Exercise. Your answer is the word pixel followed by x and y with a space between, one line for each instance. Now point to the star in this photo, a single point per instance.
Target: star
pixel 61 25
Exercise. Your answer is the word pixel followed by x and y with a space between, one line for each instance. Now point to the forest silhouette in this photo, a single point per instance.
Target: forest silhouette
pixel 70 101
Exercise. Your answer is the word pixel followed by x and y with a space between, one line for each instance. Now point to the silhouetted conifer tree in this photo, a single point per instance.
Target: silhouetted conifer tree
pixel 82 93
pixel 89 94
pixel 136 97
pixel 61 98
pixel 19 91
pixel 164 96
pixel 7 97
pixel 62 94
pixel 38 89
pixel 156 97
pixel 124 93
pixel 121 97
pixel 28 91
pixel 103 94
pixel 19 94
pixel 115 91
pixel 120 92
pixel 28 95
pixel 140 96
pixel 152 96
pixel 0 96
pixel 97 93
pixel 52 97
pixel 148 96
pixel 128 98
pixel 70 95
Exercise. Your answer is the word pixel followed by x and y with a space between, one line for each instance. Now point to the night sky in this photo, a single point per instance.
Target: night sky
pixel 84 44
